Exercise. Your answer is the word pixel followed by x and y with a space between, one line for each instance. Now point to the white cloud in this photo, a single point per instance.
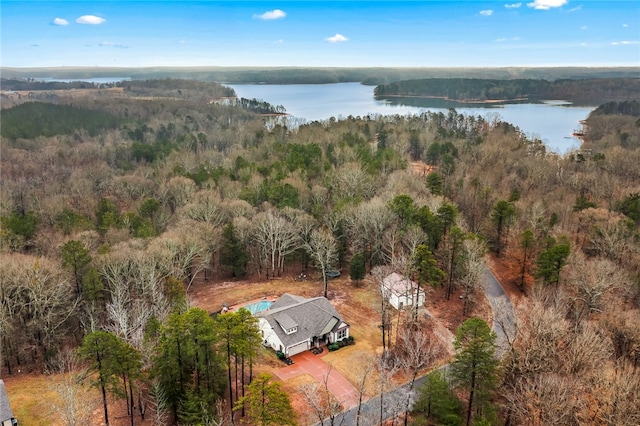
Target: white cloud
pixel 60 22
pixel 625 43
pixel 279 41
pixel 112 44
pixel 625 25
pixel 575 9
pixel 271 15
pixel 503 39
pixel 90 20
pixel 546 4
pixel 584 27
pixel 338 38
pixel 513 5
pixel 486 12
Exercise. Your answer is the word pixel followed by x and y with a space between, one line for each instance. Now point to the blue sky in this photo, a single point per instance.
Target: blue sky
pixel 308 33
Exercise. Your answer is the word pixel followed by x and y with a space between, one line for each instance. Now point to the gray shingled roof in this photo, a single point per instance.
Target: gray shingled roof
pixel 285 320
pixel 5 409
pixel 286 299
pixel 314 317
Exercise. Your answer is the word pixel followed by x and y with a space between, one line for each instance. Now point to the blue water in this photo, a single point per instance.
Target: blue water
pixel 260 306
pixel 552 122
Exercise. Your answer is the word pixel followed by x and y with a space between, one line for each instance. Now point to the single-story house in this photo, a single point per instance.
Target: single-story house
pixel 294 324
pixel 6 415
pixel 401 292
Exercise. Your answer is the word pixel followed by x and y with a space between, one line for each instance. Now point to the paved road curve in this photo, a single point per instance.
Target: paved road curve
pixel 504 317
pixel 504 322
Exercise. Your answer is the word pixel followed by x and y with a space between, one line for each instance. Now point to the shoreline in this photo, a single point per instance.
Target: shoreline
pixel 467 101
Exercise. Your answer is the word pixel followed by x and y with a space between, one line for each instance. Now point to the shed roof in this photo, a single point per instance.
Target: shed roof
pixel 399 285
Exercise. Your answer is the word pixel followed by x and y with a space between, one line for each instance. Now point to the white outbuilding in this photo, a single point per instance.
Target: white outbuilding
pixel 402 292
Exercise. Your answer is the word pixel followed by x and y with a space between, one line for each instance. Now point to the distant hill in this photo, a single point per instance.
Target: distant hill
pixel 295 75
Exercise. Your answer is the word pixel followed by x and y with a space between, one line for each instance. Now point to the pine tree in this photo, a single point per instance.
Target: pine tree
pixel 357 268
pixel 474 369
pixel 551 261
pixel 268 404
pixel 233 255
pixel 437 401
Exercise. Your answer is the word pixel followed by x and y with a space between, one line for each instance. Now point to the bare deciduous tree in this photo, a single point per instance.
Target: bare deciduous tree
pixel 365 366
pixel 366 224
pixel 323 249
pixel 386 321
pixel 547 399
pixel 324 404
pixel 351 182
pixel 386 368
pixel 593 279
pixel 184 252
pixel 474 250
pixel 417 350
pixel 76 402
pixel 616 392
pixel 276 237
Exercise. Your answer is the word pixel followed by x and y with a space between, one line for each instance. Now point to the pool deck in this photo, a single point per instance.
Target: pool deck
pixel 234 308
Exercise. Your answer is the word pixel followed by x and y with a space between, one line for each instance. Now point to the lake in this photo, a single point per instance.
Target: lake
pixel 553 122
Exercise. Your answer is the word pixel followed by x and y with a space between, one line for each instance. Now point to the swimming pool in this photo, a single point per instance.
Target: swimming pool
pixel 260 306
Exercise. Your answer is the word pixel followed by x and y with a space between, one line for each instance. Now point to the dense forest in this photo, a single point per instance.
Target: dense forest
pixel 478 90
pixel 113 206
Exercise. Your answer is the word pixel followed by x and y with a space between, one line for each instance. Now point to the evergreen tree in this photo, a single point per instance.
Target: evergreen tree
pixel 475 367
pixel 249 342
pixel 425 268
pixel 75 256
pixel 357 268
pixel 268 404
pixel 187 360
pixel 233 255
pixel 434 183
pixel 437 402
pixel 402 205
pixel 551 261
pixel 503 212
pixel 111 359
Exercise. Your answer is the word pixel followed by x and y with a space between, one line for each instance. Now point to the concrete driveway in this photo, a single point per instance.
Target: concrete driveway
pixel 307 362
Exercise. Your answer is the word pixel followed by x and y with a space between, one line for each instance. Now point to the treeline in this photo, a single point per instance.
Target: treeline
pixel 34 119
pixel 259 106
pixel 178 89
pixel 464 89
pixel 631 108
pixel 291 75
pixel 33 84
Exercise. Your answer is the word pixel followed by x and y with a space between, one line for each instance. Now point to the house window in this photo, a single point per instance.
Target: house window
pixel 342 334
